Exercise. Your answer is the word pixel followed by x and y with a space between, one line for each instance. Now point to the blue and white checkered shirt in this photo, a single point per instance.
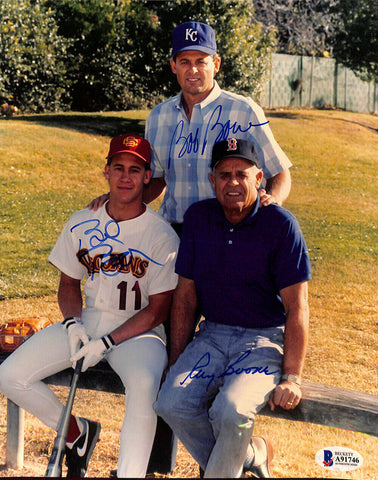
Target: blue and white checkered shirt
pixel 181 150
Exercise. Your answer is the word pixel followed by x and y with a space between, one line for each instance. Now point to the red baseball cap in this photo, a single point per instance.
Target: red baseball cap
pixel 130 143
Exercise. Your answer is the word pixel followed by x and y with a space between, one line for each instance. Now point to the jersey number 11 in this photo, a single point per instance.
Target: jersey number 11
pixel 122 287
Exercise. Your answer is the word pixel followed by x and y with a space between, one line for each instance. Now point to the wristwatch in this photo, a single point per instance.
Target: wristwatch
pixel 290 378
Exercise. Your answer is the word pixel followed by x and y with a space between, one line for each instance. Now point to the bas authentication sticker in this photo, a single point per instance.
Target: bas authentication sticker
pixel 338 459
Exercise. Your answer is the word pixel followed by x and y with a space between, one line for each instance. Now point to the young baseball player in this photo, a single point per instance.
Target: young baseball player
pixel 126 252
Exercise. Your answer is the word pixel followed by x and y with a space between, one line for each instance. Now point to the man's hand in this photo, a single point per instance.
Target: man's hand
pixel 98 202
pixel 265 198
pixel 76 333
pixel 286 395
pixel 93 352
pixel 278 187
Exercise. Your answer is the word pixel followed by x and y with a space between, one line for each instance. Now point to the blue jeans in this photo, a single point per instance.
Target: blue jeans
pixel 212 393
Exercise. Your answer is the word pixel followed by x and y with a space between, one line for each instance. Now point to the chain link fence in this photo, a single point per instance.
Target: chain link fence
pixel 298 81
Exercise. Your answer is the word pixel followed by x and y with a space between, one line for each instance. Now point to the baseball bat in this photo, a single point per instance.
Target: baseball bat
pixel 54 467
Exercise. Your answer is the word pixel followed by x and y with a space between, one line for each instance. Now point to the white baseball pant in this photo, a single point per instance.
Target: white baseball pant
pixel 139 362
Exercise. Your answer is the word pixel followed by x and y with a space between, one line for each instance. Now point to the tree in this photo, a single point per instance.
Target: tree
pixel 112 53
pixel 120 49
pixel 31 56
pixel 355 42
pixel 91 29
pixel 304 27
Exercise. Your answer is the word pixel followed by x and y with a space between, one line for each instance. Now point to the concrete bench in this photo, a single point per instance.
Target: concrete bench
pixel 321 404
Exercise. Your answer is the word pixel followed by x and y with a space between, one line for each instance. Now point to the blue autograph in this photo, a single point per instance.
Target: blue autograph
pixel 192 142
pixel 199 372
pixel 100 239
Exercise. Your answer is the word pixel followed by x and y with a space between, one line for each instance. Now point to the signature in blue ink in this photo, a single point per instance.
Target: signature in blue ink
pixel 97 237
pixel 100 239
pixel 223 131
pixel 199 372
pixel 187 144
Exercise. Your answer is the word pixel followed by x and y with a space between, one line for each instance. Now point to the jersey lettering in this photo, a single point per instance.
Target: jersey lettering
pixel 115 262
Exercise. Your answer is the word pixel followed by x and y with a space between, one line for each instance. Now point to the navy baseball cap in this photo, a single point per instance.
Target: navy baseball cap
pixel 193 36
pixel 234 148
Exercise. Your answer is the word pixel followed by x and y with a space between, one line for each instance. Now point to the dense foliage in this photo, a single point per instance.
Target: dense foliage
pixel 120 50
pixel 32 56
pixel 93 55
pixel 355 43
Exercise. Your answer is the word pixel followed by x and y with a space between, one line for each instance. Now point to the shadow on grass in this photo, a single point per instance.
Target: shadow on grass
pixel 88 123
pixel 302 116
pixel 101 124
pixel 288 115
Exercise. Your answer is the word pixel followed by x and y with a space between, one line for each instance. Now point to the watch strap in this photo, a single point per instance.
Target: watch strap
pixel 288 377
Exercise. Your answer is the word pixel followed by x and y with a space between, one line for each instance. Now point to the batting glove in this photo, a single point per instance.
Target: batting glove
pixel 94 351
pixel 76 334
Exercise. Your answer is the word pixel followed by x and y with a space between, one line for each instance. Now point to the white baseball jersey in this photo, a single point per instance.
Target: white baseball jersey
pixel 123 262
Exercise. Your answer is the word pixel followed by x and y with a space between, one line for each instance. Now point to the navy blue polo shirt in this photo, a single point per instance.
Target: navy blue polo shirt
pixel 239 269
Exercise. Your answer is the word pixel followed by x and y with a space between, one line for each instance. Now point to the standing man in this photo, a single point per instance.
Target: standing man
pixel 126 252
pixel 246 268
pixel 183 130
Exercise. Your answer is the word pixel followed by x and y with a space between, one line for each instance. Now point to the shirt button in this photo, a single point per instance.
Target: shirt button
pixel 231 229
pixel 189 164
pixel 230 242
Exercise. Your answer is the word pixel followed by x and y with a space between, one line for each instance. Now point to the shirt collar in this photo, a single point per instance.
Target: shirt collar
pixel 248 220
pixel 213 95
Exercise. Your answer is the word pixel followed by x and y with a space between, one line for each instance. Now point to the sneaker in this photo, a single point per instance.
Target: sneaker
pixel 260 467
pixel 77 457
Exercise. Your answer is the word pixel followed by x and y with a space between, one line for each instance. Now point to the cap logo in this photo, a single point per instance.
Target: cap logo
pixel 191 34
pixel 232 144
pixel 130 142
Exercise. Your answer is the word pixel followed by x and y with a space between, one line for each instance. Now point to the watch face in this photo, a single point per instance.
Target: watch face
pixel 293 378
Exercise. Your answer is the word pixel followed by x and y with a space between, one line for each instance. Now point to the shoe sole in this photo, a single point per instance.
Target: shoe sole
pixel 270 451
